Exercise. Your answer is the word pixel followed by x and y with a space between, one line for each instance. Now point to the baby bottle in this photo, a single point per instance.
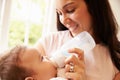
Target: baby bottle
pixel 83 41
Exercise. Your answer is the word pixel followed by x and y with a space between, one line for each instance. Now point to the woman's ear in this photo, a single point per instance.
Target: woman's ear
pixel 29 78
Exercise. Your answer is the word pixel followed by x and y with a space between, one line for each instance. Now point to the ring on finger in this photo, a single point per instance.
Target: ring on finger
pixel 71 67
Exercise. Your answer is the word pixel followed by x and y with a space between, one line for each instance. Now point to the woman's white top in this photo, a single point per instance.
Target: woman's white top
pixel 98 63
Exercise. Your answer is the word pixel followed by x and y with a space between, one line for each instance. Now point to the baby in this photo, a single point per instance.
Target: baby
pixel 25 63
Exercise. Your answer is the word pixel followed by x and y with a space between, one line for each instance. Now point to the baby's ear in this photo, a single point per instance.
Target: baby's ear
pixel 29 78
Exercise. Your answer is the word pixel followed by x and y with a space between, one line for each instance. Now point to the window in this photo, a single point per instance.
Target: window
pixel 24 21
pixel 0 7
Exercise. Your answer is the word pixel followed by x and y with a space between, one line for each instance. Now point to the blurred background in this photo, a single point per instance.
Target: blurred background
pixel 25 21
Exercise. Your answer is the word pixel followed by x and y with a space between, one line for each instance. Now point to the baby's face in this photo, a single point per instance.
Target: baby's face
pixel 32 59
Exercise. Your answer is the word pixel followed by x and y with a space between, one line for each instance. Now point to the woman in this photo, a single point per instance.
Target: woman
pixel 95 17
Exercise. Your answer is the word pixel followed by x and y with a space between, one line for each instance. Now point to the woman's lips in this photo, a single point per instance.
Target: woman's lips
pixel 73 28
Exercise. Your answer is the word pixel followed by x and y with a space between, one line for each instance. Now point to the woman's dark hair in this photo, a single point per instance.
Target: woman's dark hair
pixel 104 27
pixel 10 68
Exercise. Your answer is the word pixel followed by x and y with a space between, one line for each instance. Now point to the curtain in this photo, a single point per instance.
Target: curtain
pixel 4 20
pixel 50 18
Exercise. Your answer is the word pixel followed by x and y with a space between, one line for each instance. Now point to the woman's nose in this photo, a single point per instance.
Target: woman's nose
pixel 65 19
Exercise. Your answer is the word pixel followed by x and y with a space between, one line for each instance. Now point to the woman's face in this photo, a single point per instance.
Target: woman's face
pixel 74 15
pixel 31 59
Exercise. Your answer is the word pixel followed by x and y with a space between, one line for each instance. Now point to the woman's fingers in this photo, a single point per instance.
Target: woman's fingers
pixel 73 59
pixel 72 76
pixel 75 75
pixel 75 66
pixel 80 53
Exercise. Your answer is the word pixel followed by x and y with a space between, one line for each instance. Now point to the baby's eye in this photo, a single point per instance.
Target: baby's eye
pixel 41 58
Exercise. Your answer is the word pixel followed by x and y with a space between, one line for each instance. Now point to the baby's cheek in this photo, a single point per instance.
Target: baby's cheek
pixel 52 70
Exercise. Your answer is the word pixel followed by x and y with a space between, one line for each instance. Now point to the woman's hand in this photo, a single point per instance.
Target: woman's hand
pixel 75 65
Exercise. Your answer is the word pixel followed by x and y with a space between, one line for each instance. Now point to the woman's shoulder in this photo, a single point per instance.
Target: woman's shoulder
pixel 55 37
pixel 53 41
pixel 58 34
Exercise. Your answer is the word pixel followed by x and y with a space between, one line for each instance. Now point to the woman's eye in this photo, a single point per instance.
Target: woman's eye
pixel 70 10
